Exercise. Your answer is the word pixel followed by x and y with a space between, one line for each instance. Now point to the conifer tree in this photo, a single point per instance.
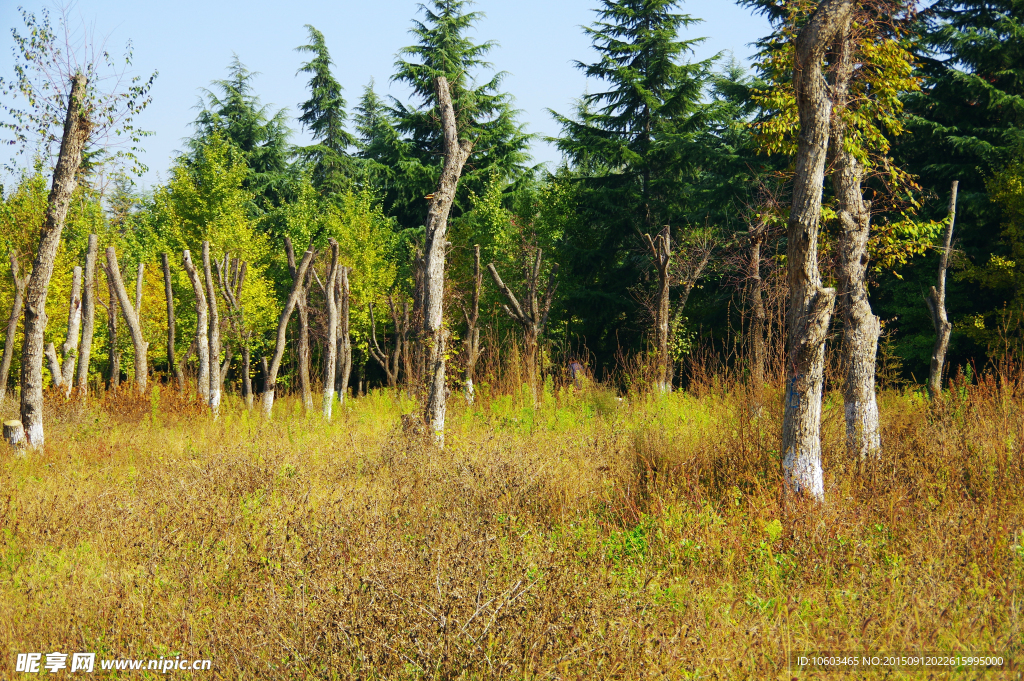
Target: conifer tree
pixel 324 116
pixel 634 143
pixel 484 114
pixel 260 135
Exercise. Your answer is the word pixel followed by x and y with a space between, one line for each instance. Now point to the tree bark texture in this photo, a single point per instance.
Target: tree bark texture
pixel 389 361
pixel 231 289
pixel 69 350
pixel 861 327
pixel 472 341
pixel 267 400
pixel 534 317
pixel 131 317
pixel 456 152
pixel 20 282
pixel 216 371
pixel 330 290
pixel 88 315
pixel 302 305
pixel 811 305
pixel 936 301
pixel 172 364
pixel 112 334
pixel 202 328
pixel 344 336
pixel 660 250
pixel 76 132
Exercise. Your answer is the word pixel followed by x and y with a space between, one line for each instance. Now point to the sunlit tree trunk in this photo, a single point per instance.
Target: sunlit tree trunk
pixel 270 371
pixel 344 336
pixel 131 317
pixel 456 152
pixel 69 350
pixel 88 315
pixel 811 305
pixel 216 371
pixel 302 351
pixel 202 328
pixel 12 324
pixel 76 132
pixel 173 367
pixel 330 290
pixel 936 301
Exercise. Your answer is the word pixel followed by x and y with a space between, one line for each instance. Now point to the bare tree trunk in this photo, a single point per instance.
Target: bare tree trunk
pixel 172 364
pixel 88 315
pixel 534 318
pixel 402 341
pixel 758 322
pixel 936 301
pixel 472 341
pixel 344 337
pixel 456 152
pixel 330 290
pixel 76 132
pixel 811 305
pixel 202 328
pixel 660 250
pixel 861 327
pixel 388 361
pixel 131 316
pixel 282 330
pixel 303 346
pixel 115 349
pixel 64 379
pixel 216 371
pixel 231 289
pixel 20 283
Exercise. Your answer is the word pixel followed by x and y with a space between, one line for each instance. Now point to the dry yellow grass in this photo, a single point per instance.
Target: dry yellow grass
pixel 591 539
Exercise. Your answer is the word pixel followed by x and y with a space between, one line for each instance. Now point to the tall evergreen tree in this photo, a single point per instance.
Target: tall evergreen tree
pixel 258 133
pixel 634 142
pixel 485 115
pixel 324 116
pixel 966 124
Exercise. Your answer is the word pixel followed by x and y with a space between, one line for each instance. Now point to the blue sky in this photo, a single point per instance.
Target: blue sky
pixel 191 42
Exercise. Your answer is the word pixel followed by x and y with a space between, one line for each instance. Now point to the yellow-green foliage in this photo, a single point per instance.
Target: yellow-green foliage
pixel 590 539
pixel 22 214
pixel 883 73
pixel 205 201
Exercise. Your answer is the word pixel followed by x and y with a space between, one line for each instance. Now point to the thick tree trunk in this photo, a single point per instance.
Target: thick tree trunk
pixel 456 152
pixel 76 133
pixel 20 283
pixel 861 328
pixel 936 301
pixel 202 328
pixel 270 381
pixel 811 305
pixel 344 337
pixel 112 334
pixel 216 371
pixel 88 315
pixel 172 364
pixel 131 317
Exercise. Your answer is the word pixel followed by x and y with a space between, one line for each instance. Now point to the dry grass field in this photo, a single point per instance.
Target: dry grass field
pixel 592 538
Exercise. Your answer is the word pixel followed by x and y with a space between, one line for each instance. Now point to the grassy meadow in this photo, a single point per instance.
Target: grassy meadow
pixel 599 538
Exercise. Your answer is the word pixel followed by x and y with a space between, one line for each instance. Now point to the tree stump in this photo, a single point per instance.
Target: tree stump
pixel 14 433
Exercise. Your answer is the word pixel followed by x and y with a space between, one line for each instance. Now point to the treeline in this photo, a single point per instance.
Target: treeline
pixel 662 231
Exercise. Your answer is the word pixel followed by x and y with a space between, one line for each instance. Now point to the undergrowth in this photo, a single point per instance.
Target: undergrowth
pixel 594 537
